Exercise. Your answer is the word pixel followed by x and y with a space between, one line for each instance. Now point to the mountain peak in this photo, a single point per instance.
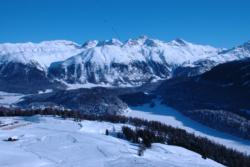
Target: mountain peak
pixel 179 41
pixel 240 48
pixel 143 40
pixel 143 37
pixel 246 45
pixel 151 42
pixel 137 41
pixel 90 44
pixel 112 41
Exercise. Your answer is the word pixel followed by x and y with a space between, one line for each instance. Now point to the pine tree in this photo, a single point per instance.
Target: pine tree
pixel 107 132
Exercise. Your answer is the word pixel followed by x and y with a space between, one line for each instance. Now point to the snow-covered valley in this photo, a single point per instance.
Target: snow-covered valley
pixel 54 142
pixel 166 115
pixel 170 116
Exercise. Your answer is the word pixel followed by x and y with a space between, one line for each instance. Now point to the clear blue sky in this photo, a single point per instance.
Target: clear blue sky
pixel 221 23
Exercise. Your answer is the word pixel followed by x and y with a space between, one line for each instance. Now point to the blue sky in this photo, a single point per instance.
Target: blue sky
pixel 221 23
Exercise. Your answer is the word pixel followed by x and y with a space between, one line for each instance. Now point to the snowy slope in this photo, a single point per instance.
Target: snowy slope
pixel 7 99
pixel 50 142
pixel 42 54
pixel 23 66
pixel 143 49
pixel 239 52
pixel 170 116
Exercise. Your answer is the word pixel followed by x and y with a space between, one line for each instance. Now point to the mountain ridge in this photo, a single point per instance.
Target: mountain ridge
pixel 109 62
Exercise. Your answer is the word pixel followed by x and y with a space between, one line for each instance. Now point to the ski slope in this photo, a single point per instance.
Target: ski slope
pixel 54 142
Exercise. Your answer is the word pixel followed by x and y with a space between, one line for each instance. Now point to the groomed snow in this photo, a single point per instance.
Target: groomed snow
pixel 53 142
pixel 174 118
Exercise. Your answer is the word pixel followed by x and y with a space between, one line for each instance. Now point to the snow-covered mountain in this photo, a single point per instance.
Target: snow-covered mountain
pixel 23 66
pixel 236 53
pixel 133 62
pixel 41 54
pixel 110 62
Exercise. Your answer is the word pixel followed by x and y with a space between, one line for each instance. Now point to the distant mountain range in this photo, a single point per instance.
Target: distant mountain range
pixel 29 67
pixel 207 84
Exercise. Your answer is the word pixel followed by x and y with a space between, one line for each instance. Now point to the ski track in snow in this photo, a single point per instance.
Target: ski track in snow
pixel 174 118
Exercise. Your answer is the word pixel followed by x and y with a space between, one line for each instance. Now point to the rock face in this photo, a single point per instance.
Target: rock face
pixel 29 67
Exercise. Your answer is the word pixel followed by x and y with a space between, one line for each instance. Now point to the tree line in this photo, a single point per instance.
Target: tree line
pixel 150 132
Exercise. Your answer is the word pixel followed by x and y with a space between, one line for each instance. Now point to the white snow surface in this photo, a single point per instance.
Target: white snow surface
pixel 45 91
pixel 142 49
pixel 170 116
pixel 7 99
pixel 42 54
pixel 239 52
pixel 53 142
pixel 102 53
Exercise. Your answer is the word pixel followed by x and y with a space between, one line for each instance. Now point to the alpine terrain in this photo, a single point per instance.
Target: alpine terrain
pixel 142 102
